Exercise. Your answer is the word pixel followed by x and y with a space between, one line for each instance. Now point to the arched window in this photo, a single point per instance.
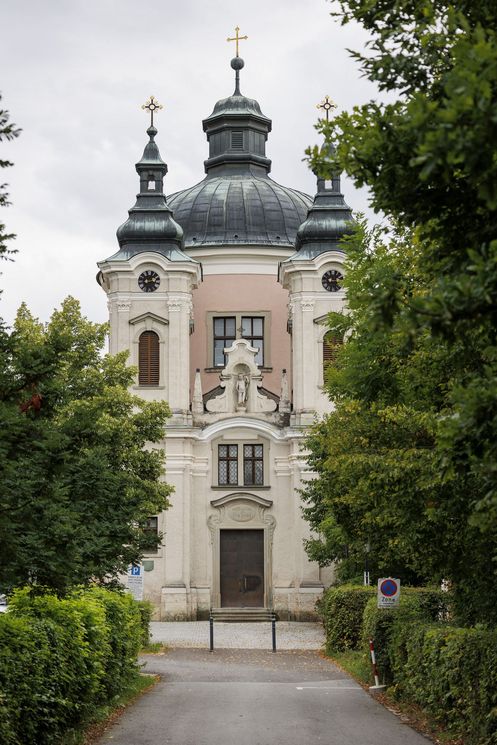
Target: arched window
pixel 148 358
pixel 331 344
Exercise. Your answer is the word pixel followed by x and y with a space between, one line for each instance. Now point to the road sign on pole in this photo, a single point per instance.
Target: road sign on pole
pixel 388 592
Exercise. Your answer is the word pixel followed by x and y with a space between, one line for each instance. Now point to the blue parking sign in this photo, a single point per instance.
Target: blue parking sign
pixel 135 570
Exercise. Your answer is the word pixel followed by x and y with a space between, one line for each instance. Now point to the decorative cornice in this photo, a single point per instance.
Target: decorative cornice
pixel 176 304
pixel 307 304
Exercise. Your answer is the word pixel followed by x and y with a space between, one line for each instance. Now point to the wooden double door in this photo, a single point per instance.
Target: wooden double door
pixel 242 568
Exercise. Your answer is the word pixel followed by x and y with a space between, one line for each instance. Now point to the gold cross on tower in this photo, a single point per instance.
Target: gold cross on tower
pixel 236 38
pixel 152 105
pixel 327 104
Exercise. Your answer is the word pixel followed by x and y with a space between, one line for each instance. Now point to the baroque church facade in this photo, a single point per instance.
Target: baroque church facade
pixel 220 293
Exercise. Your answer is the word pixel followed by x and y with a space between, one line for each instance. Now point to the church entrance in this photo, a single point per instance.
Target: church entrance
pixel 242 568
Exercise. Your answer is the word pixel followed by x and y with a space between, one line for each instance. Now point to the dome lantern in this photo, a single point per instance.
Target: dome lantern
pixel 237 131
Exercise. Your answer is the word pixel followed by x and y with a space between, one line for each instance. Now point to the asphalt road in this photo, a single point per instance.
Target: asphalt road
pixel 254 697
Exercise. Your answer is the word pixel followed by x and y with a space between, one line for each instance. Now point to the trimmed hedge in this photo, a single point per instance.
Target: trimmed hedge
pixel 416 604
pixel 451 673
pixel 146 611
pixel 341 609
pixel 60 660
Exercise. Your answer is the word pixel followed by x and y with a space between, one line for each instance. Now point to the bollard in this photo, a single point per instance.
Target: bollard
pixel 211 633
pixel 377 687
pixel 273 631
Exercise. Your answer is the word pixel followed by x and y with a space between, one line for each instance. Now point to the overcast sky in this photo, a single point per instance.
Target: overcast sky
pixel 75 74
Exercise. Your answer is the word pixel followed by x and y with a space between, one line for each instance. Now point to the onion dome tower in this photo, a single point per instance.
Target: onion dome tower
pixel 149 284
pixel 151 225
pixel 328 220
pixel 313 276
pixel 237 202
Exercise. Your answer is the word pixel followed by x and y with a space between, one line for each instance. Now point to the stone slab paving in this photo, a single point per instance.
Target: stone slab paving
pixel 195 634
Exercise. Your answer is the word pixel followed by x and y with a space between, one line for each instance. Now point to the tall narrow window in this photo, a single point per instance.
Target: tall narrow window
pixel 253 332
pixel 331 344
pixel 227 464
pixel 151 530
pixel 253 465
pixel 224 335
pixel 148 358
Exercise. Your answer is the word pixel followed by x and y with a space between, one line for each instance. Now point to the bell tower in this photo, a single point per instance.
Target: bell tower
pixel 313 277
pixel 149 284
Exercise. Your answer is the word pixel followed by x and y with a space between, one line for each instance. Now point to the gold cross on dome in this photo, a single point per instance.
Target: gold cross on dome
pixel 327 104
pixel 152 105
pixel 236 38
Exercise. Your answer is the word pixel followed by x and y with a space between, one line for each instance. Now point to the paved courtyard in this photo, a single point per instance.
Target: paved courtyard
pixel 195 634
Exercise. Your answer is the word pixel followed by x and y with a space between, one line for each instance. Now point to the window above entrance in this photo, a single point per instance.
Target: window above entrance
pixel 225 329
pixel 232 460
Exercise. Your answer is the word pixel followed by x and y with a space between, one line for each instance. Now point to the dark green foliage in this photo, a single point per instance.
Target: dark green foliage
pixel 384 478
pixel 124 622
pixel 451 673
pixel 341 609
pixel 146 612
pixel 416 604
pixel 407 461
pixel 77 482
pixel 25 651
pixel 60 660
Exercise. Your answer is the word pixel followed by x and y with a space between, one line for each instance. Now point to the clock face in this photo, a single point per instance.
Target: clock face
pixel 148 281
pixel 331 280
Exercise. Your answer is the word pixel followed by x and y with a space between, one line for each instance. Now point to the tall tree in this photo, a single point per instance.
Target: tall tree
pixel 429 159
pixel 79 475
pixel 379 457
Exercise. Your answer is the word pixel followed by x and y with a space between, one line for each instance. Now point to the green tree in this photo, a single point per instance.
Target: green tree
pixel 430 162
pixel 78 475
pixel 379 455
pixel 428 156
pixel 7 132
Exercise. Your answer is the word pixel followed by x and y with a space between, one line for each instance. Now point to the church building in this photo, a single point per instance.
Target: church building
pixel 220 292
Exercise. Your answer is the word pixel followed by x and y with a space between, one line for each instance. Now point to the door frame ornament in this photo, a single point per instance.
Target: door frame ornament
pixel 243 511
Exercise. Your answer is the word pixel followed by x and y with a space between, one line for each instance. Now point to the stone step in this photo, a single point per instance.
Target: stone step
pixel 242 615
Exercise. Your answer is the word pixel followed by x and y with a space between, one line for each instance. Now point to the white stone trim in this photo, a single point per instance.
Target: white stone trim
pixel 219 428
pixel 242 511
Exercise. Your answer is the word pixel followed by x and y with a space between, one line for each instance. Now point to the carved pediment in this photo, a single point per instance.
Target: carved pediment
pixel 246 496
pixel 148 317
pixel 240 382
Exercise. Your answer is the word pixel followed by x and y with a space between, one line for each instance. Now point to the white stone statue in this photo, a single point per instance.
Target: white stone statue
pixel 241 387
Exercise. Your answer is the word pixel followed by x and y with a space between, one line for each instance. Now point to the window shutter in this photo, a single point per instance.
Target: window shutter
pixel 331 344
pixel 237 140
pixel 148 359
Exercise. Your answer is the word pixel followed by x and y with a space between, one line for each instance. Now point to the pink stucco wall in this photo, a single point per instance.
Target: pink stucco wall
pixel 234 293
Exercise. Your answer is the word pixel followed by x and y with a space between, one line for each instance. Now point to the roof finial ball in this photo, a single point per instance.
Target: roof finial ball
pixel 237 63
